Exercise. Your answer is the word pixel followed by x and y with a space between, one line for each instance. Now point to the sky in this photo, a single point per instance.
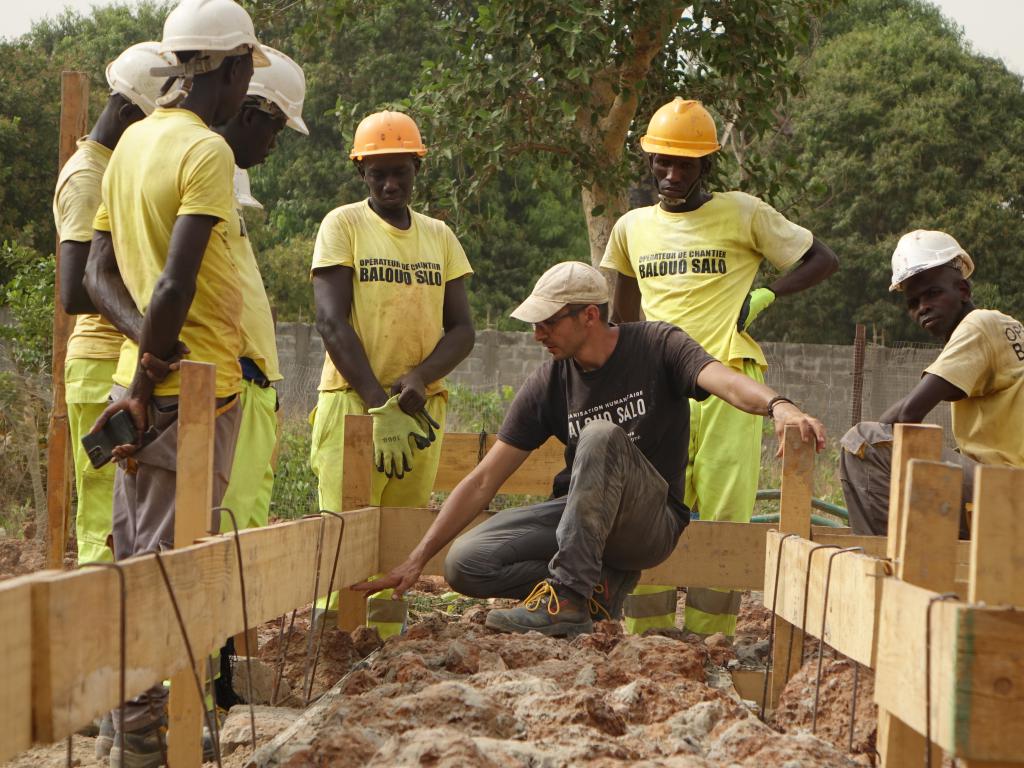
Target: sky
pixel 992 26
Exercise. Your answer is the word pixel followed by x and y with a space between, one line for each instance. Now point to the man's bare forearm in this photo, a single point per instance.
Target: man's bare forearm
pixel 106 288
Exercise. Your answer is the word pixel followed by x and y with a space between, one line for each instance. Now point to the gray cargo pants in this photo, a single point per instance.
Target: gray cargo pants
pixel 144 508
pixel 865 468
pixel 616 517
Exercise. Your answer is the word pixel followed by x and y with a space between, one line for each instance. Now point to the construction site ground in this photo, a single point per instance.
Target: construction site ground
pixel 450 692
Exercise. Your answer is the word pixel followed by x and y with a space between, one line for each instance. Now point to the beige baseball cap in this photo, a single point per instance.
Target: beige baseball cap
pixel 571 282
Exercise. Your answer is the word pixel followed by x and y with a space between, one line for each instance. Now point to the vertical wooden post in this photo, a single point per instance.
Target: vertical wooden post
pixel 859 342
pixel 997 548
pixel 794 517
pixel 74 123
pixel 356 492
pixel 928 521
pixel 909 441
pixel 192 520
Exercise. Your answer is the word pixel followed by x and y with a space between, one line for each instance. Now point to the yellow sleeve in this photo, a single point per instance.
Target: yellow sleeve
pixel 778 239
pixel 77 204
pixel 616 254
pixel 207 178
pixel 967 361
pixel 333 244
pixel 456 263
pixel 101 220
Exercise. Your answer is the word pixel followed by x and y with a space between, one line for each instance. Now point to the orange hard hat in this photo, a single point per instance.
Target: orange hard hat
pixel 387 133
pixel 683 128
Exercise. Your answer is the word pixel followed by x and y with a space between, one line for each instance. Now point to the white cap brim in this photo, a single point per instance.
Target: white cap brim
pixel 535 309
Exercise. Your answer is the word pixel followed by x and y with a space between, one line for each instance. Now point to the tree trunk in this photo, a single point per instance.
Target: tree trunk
pixel 599 228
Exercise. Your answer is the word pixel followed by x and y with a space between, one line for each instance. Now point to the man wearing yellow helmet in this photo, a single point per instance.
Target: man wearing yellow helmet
pixel 393 314
pixel 690 260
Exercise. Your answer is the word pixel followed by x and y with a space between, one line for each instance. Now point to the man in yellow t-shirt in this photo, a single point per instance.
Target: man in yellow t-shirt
pixel 161 227
pixel 274 100
pixel 690 260
pixel 394 317
pixel 94 345
pixel 980 371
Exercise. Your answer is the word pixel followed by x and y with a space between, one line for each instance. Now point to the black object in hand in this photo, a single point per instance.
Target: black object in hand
pixel 119 430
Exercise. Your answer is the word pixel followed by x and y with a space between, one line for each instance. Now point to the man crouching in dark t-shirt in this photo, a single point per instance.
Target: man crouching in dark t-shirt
pixel 617 397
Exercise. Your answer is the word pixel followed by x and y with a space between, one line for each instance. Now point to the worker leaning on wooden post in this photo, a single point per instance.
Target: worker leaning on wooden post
pixel 391 307
pixel 95 344
pixel 162 226
pixel 274 100
pixel 690 260
pixel 980 371
pixel 615 396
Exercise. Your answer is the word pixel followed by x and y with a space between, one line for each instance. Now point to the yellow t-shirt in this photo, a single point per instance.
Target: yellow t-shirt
pixel 985 358
pixel 695 269
pixel 169 165
pixel 75 201
pixel 397 286
pixel 259 343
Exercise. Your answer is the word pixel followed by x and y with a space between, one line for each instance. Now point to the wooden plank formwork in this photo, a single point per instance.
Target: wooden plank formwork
pixel 15 666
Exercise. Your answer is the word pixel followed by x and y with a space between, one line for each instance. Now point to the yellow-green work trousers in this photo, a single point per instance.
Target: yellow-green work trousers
pixel 722 471
pixel 412 490
pixel 252 473
pixel 87 384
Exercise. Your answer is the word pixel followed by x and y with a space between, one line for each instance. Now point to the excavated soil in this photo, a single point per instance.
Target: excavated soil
pixel 452 693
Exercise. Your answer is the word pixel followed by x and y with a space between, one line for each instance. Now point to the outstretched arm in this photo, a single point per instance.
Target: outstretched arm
pixel 470 497
pixel 753 397
pixel 929 392
pixel 455 344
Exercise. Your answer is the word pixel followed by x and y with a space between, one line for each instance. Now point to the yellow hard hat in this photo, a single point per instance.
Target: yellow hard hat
pixel 387 133
pixel 683 128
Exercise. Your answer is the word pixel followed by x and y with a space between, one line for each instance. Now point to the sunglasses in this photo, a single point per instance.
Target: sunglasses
pixel 551 322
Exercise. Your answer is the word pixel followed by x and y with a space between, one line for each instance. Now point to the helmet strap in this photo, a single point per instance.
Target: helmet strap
pixel 695 186
pixel 185 72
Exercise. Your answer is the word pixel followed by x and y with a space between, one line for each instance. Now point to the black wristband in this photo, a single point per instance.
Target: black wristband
pixel 774 401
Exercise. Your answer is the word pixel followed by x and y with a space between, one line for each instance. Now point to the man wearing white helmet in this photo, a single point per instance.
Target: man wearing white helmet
pixel 94 345
pixel 980 371
pixel 167 201
pixel 274 100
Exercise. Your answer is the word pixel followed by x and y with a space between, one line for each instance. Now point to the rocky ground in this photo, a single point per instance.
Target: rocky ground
pixel 452 693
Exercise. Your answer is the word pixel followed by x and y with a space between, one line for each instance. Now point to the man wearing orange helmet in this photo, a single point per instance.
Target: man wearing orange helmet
pixel 690 260
pixel 393 314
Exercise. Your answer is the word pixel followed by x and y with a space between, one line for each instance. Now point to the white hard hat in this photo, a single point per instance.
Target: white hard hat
pixel 283 84
pixel 215 29
pixel 243 193
pixel 129 74
pixel 925 249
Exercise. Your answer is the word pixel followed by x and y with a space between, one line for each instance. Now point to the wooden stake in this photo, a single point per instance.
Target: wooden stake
pixel 192 520
pixel 794 517
pixel 910 441
pixel 859 342
pixel 927 519
pixel 74 122
pixel 997 548
pixel 357 482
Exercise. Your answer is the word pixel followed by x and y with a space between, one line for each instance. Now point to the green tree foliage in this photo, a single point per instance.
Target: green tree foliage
pixel 28 297
pixel 567 79
pixel 901 126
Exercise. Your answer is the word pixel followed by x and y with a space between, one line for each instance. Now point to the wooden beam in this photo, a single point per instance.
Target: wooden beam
pixel 193 503
pixel 357 464
pixel 74 123
pixel 927 521
pixel 910 441
pixel 460 453
pixel 77 681
pixel 15 666
pixel 794 517
pixel 854 595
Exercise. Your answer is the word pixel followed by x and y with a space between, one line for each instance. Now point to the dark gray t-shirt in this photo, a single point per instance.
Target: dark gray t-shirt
pixel 643 387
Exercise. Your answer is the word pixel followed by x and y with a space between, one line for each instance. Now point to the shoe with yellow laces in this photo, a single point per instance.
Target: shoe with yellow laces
pixel 550 609
pixel 610 594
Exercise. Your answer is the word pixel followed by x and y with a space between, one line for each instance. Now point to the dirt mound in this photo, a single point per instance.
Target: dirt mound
pixel 795 711
pixel 451 693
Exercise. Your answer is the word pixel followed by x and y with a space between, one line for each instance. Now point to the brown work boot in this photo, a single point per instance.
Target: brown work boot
pixel 611 592
pixel 550 609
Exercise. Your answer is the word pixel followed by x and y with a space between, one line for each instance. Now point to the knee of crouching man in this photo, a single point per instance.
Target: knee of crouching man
pixel 600 431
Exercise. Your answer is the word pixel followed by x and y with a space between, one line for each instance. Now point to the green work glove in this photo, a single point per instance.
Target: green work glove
pixel 756 302
pixel 428 425
pixel 392 429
